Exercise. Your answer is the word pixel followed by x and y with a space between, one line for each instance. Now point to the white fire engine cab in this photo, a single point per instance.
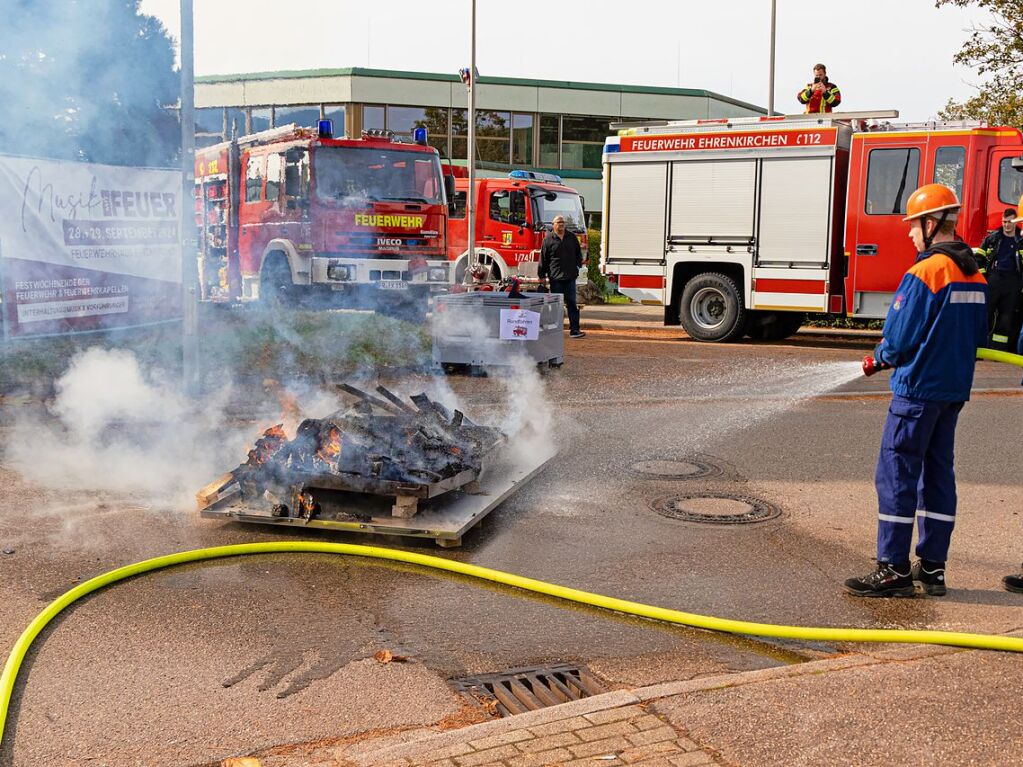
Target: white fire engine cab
pixel 743 226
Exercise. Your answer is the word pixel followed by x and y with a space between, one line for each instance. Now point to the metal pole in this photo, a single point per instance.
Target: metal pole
pixel 470 199
pixel 770 69
pixel 189 266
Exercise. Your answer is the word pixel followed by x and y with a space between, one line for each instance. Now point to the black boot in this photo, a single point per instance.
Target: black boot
pixel 930 575
pixel 1013 583
pixel 887 580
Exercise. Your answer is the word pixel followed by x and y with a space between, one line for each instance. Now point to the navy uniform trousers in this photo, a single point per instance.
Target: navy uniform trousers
pixel 915 479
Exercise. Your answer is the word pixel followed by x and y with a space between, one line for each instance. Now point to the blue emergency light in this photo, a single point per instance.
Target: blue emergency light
pixel 533 175
pixel 325 128
pixel 419 135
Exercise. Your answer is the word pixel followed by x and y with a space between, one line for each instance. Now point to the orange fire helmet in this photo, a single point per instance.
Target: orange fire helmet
pixel 930 200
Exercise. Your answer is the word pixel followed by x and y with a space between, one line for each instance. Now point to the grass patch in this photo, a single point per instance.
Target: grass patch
pixel 239 342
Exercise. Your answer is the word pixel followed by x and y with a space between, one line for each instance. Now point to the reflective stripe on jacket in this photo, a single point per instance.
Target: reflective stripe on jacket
pixel 825 101
pixel 936 323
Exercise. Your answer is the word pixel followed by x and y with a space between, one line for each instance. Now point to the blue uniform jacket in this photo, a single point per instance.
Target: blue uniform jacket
pixel 935 324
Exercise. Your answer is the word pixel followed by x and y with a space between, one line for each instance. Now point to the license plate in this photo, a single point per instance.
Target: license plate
pixel 392 285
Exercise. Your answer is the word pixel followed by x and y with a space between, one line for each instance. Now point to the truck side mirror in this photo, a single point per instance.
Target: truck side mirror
pixel 449 192
pixel 293 182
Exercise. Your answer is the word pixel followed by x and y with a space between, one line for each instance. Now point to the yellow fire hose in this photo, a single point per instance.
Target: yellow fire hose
pixel 997 356
pixel 952 638
pixel 811 633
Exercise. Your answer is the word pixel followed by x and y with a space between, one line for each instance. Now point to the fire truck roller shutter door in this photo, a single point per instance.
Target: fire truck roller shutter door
pixel 795 212
pixel 635 225
pixel 712 199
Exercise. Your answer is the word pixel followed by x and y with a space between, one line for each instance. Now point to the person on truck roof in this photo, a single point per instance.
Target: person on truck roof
pixel 936 323
pixel 820 95
pixel 1001 259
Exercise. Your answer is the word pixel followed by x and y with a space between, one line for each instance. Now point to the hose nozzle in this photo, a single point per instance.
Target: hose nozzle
pixel 872 365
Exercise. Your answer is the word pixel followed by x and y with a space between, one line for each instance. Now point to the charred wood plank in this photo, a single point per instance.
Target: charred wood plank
pixel 376 402
pixel 394 400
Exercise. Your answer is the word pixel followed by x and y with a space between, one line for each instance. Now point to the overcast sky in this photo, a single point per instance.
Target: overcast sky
pixel 884 54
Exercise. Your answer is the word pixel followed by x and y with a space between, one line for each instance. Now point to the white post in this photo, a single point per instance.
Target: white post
pixel 189 265
pixel 770 69
pixel 470 198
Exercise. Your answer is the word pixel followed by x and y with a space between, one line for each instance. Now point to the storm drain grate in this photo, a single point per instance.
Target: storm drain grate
pixel 716 508
pixel 526 689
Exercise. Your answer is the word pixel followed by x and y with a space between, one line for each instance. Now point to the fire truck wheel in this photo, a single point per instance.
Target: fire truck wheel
pixel 712 308
pixel 773 326
pixel 276 289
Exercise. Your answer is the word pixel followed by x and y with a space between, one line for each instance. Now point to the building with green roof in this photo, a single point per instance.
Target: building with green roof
pixel 552 125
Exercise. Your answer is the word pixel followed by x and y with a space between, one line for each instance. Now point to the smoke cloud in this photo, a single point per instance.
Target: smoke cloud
pixel 115 427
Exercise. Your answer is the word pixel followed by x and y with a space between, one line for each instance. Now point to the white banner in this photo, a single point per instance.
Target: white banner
pixel 88 247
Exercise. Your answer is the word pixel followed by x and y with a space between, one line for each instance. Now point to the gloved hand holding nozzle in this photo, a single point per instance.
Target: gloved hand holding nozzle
pixel 872 364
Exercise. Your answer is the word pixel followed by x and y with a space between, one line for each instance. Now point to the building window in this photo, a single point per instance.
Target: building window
pixel 235 122
pixel 336 114
pixel 550 141
pixel 522 139
pixel 493 135
pixel 254 178
pixel 373 118
pixel 303 116
pixel 892 176
pixel 582 141
pixel 1010 182
pixel 209 120
pixel 260 119
pixel 273 177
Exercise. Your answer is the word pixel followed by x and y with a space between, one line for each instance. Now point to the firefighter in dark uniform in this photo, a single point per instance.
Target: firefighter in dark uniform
pixel 561 258
pixel 821 95
pixel 1001 260
pixel 936 322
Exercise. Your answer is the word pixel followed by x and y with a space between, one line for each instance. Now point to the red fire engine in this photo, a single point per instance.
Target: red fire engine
pixel 292 212
pixel 743 226
pixel 513 215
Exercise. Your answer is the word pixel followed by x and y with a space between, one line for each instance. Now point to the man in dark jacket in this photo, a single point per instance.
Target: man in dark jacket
pixel 936 322
pixel 561 258
pixel 1001 257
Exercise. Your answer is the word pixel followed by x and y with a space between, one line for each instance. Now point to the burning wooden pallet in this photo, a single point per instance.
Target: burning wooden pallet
pixel 381 446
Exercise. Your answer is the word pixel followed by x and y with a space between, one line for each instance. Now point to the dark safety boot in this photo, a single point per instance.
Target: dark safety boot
pixel 886 581
pixel 1013 583
pixel 931 576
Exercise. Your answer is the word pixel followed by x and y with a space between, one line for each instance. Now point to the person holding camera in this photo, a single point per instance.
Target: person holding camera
pixel 821 95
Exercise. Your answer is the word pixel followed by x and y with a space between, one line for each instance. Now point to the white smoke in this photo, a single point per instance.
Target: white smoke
pixel 116 428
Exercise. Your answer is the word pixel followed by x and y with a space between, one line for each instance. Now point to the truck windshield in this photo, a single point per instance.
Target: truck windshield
pixel 356 173
pixel 566 204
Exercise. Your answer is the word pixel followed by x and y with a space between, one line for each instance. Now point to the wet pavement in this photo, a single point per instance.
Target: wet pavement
pixel 190 665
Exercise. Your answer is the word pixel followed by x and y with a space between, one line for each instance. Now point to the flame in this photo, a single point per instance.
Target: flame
pixel 267 445
pixel 330 447
pixel 291 410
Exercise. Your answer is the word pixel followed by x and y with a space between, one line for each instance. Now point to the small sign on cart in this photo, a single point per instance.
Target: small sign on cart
pixel 520 325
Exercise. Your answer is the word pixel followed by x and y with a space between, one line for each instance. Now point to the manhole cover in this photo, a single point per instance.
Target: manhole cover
pixel 716 508
pixel 696 467
pixel 526 689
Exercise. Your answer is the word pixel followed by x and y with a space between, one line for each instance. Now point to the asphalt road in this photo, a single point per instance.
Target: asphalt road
pixel 191 665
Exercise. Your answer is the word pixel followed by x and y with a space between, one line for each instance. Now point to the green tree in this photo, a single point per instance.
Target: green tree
pixel 87 80
pixel 995 50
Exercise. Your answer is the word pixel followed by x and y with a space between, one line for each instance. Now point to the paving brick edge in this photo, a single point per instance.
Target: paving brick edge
pixel 438 741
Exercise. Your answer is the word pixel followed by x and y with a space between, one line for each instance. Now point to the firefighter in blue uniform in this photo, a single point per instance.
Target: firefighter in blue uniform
pixel 936 322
